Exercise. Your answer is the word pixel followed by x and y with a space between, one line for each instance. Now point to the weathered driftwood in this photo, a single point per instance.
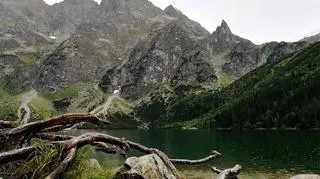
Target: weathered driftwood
pixel 97 140
pixel 214 154
pixel 54 124
pixel 8 124
pixel 14 155
pixel 230 173
pixel 71 145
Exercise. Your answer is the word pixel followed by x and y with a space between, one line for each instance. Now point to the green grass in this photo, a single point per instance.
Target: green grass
pixel 28 60
pixel 88 99
pixel 120 113
pixel 119 104
pixel 225 79
pixel 81 169
pixel 49 156
pixel 9 106
pixel 68 92
pixel 41 108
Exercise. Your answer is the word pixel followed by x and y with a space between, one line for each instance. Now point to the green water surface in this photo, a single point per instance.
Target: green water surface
pixel 263 154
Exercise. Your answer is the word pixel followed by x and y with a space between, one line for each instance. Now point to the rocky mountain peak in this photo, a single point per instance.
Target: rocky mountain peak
pixel 172 11
pixel 112 4
pixel 222 40
pixel 80 2
pixel 223 28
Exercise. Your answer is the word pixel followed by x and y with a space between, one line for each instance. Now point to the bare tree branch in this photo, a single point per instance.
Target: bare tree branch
pixel 8 124
pixel 99 141
pixel 68 160
pixel 214 154
pixel 54 124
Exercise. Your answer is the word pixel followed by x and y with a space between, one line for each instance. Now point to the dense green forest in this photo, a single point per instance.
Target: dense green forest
pixel 280 94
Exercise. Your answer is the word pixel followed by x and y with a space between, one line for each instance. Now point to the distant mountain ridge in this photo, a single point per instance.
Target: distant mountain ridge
pixel 312 39
pixel 130 46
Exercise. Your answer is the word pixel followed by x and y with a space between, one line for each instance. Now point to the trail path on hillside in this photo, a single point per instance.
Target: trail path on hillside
pixel 24 112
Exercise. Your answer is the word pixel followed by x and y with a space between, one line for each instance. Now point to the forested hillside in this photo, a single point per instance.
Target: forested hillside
pixel 281 94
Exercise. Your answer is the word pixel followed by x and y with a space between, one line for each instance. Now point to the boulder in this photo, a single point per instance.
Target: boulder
pixel 145 167
pixel 306 176
pixel 93 164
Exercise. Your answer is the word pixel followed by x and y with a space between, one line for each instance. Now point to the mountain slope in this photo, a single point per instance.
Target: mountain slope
pixel 63 51
pixel 312 39
pixel 283 93
pixel 280 94
pixel 170 55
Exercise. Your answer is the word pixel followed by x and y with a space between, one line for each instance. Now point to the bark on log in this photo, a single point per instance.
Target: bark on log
pixel 97 139
pixel 8 124
pixel 63 122
pixel 72 144
pixel 15 155
pixel 67 162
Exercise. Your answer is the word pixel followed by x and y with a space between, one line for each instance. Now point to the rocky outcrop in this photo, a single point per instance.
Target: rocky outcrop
pixel 15 74
pixel 240 56
pixel 169 55
pixel 74 61
pixel 223 40
pixel 145 167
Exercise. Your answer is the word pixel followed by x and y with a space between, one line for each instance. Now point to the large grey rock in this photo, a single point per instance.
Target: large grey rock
pixel 170 55
pixel 93 164
pixel 306 176
pixel 145 167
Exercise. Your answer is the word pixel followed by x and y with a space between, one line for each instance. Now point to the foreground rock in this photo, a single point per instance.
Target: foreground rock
pixel 230 173
pixel 306 176
pixel 145 167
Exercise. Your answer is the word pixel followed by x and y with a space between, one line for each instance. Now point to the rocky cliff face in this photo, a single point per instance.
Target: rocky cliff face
pixel 15 73
pixel 170 55
pixel 131 45
pixel 237 56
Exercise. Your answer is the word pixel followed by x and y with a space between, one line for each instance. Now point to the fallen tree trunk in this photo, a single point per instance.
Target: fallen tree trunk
pixel 54 124
pixel 8 124
pixel 98 140
pixel 70 145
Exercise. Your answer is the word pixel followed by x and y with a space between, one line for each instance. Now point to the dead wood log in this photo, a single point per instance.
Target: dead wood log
pixel 8 124
pixel 54 124
pixel 97 140
pixel 102 147
pixel 67 162
pixel 214 154
pixel 125 145
pixel 15 155
pixel 230 173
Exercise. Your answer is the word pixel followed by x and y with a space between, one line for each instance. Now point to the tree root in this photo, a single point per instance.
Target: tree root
pixel 8 124
pixel 55 124
pixel 71 145
pixel 99 141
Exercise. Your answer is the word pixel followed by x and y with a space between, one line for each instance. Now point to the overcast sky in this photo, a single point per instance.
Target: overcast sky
pixel 257 20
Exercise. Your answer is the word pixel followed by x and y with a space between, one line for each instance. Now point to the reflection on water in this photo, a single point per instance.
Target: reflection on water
pixel 263 154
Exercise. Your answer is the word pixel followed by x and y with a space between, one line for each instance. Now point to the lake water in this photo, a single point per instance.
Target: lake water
pixel 263 154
